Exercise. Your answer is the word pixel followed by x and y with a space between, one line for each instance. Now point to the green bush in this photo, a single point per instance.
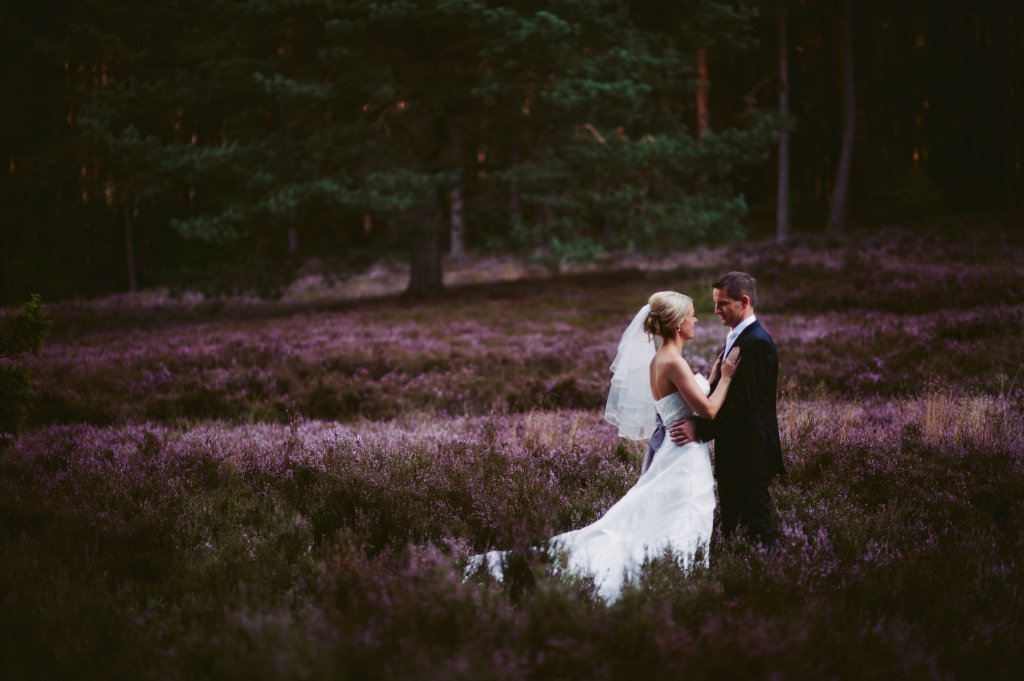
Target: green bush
pixel 20 333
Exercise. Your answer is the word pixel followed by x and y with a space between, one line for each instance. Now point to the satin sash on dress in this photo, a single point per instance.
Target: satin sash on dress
pixel 654 444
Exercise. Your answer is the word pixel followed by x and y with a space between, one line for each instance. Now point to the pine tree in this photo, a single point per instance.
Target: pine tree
pixel 297 128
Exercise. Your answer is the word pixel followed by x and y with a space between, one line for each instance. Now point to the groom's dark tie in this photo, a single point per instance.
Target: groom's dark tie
pixel 656 438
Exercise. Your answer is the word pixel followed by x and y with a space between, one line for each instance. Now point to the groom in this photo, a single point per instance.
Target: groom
pixel 746 429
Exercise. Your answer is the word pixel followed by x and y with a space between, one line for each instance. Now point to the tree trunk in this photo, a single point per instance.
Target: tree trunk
pixel 1010 143
pixel 425 274
pixel 127 208
pixel 782 194
pixel 542 237
pixel 293 241
pixel 840 191
pixel 703 115
pixel 458 225
pixel 702 93
pixel 541 242
pixel 5 248
pixel 515 210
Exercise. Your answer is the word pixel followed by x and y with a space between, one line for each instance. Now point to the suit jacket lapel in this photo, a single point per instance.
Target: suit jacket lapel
pixel 736 344
pixel 743 334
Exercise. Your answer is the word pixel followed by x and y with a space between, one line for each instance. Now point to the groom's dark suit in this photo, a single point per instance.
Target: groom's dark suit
pixel 746 435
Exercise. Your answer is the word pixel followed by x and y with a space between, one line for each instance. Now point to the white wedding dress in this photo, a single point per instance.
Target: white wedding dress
pixel 671 505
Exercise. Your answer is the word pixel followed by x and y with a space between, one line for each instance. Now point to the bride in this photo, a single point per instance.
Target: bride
pixel 673 503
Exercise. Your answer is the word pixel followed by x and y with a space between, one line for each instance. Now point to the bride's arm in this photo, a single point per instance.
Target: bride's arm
pixel 686 383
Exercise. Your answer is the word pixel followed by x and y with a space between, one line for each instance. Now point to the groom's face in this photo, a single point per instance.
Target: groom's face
pixel 728 309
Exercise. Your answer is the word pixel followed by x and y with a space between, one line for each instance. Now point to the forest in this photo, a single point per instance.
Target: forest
pixel 231 146
pixel 306 303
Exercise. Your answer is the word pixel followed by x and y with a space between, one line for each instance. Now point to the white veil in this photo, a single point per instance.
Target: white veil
pixel 630 404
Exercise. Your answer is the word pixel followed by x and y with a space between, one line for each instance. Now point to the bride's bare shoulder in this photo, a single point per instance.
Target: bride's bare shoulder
pixel 675 365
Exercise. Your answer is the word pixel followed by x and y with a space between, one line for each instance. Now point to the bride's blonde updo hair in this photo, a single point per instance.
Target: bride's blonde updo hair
pixel 668 309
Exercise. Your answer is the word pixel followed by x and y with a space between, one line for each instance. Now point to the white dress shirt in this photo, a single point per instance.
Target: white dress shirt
pixel 735 333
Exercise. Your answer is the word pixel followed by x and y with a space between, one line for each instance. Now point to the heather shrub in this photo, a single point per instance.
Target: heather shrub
pixel 888 355
pixel 893 271
pixel 328 371
pixel 289 550
pixel 265 490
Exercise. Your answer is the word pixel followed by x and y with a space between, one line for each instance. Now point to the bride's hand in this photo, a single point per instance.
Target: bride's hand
pixel 730 364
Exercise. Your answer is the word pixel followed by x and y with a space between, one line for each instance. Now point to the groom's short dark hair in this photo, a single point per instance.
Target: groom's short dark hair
pixel 736 285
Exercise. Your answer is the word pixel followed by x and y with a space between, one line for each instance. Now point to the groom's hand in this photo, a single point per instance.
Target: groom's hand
pixel 683 432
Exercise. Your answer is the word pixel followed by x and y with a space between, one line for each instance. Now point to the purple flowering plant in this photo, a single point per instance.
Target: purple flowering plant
pixel 289 490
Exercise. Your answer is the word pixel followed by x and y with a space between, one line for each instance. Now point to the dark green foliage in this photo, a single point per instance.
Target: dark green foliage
pixel 264 133
pixel 15 397
pixel 185 135
pixel 20 333
pixel 24 331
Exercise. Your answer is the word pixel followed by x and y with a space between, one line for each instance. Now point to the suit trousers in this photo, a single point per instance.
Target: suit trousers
pixel 745 502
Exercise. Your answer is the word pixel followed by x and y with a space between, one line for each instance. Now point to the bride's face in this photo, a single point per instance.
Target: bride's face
pixel 685 327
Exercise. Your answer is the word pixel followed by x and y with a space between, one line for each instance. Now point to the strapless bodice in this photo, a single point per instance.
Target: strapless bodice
pixel 673 407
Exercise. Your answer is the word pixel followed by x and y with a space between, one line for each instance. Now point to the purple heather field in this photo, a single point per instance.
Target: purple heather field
pixel 287 489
